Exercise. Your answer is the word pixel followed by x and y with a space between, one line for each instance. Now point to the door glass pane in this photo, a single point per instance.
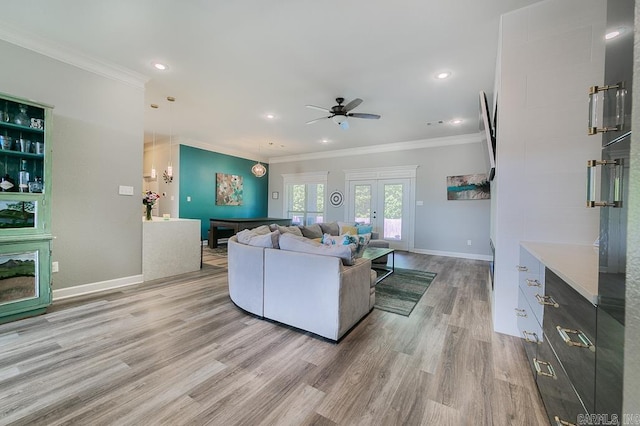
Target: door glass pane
pixel 393 211
pixel 17 214
pixel 18 276
pixel 362 204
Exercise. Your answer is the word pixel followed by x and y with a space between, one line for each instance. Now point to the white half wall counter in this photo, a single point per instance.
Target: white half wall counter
pixel 170 247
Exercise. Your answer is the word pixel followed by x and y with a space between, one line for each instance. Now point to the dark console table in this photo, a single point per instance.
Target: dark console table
pixel 238 224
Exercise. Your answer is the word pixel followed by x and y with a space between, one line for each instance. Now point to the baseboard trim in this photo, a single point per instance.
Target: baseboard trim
pixel 84 289
pixel 473 256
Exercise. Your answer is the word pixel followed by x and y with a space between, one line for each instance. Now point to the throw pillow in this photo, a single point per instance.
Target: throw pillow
pixel 311 231
pixel 249 237
pixel 347 228
pixel 364 229
pixel 330 228
pixel 290 229
pixel 292 242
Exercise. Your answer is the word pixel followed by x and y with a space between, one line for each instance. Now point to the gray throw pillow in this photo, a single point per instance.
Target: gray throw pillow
pixel 330 228
pixel 290 230
pixel 311 231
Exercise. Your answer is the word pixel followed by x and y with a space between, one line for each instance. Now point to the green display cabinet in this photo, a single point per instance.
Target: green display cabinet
pixel 25 207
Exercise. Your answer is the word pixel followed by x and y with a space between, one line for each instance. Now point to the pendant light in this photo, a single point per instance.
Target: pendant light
pixel 154 174
pixel 169 171
pixel 258 169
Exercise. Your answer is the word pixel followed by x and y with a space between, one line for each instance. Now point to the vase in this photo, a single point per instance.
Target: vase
pixel 149 207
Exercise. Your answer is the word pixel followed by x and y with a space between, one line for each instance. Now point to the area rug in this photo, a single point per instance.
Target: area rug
pixel 400 292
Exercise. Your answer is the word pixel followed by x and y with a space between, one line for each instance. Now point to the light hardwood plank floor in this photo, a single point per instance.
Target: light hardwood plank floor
pixel 178 352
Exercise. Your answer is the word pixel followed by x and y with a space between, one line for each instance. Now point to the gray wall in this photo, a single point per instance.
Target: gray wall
pixel 632 325
pixel 440 225
pixel 97 144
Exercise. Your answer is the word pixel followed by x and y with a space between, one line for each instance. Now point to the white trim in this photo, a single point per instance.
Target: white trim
pixel 473 256
pixel 80 290
pixel 393 172
pixel 309 177
pixel 45 47
pixel 374 149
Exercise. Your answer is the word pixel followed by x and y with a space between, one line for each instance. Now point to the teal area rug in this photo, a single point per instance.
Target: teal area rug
pixel 400 292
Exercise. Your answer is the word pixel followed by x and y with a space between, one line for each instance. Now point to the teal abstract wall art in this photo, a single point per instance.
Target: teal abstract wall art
pixel 468 187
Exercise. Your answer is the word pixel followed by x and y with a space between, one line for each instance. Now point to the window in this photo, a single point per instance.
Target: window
pixel 305 195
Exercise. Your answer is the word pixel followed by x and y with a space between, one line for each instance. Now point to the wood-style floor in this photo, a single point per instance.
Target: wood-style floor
pixel 178 352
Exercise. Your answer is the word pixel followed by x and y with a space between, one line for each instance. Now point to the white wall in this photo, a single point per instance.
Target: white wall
pixel 441 226
pixel 97 146
pixel 632 321
pixel 550 55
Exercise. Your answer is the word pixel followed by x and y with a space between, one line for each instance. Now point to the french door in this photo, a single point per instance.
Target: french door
pixel 384 204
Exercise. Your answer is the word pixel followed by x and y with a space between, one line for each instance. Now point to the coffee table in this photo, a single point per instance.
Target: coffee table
pixel 373 253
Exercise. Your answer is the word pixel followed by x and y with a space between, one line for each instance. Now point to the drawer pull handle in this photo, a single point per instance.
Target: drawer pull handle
pixel 582 341
pixel 521 312
pixel 522 268
pixel 533 283
pixel 532 339
pixel 547 300
pixel 549 368
pixel 560 422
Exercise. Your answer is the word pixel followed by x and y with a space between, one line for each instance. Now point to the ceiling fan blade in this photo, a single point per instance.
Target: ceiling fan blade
pixel 318 119
pixel 363 115
pixel 351 105
pixel 318 108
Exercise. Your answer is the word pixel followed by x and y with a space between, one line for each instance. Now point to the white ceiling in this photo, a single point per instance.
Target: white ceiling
pixel 233 62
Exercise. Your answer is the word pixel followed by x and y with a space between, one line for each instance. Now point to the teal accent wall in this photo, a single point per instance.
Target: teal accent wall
pixel 198 169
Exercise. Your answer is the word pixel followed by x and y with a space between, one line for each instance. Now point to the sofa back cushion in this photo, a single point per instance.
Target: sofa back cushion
pixel 292 242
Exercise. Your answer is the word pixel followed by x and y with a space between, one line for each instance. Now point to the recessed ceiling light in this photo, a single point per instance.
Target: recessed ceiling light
pixel 325 141
pixel 456 121
pixel 160 66
pixel 270 116
pixel 614 33
pixel 442 75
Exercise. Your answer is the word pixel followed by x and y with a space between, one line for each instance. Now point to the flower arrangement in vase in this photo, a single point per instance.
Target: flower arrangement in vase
pixel 149 199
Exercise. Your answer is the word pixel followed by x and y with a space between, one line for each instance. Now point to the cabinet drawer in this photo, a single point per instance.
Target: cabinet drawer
pixel 528 263
pixel 609 364
pixel 532 290
pixel 530 330
pixel 570 328
pixel 558 395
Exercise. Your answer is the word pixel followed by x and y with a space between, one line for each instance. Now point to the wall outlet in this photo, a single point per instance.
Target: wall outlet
pixel 55 267
pixel 468 242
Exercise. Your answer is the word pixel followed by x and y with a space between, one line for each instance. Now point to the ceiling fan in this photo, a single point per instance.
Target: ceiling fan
pixel 340 113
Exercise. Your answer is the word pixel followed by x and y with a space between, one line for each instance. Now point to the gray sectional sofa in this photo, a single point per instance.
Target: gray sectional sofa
pixel 312 292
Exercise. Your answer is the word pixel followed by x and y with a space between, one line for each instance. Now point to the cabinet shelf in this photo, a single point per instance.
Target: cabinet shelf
pixel 5 125
pixel 21 154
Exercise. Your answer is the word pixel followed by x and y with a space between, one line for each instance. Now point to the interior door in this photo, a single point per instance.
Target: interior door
pixel 384 204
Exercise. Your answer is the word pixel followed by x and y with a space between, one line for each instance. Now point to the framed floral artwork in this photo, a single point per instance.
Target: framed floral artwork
pixel 228 190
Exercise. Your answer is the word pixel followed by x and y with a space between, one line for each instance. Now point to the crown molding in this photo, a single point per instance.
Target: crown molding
pixel 374 149
pixel 218 149
pixel 70 56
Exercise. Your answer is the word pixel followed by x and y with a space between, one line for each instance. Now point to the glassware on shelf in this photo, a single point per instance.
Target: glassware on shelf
pixel 23 177
pixel 21 118
pixel 4 115
pixel 36 185
pixel 5 142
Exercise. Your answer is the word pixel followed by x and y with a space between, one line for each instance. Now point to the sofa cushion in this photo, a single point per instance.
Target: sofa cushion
pixel 251 238
pixel 292 242
pixel 311 231
pixel 330 228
